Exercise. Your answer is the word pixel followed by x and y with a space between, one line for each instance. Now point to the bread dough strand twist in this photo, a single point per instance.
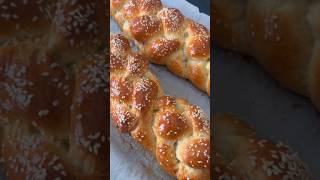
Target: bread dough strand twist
pixel 282 35
pixel 165 36
pixel 53 89
pixel 176 132
pixel 240 154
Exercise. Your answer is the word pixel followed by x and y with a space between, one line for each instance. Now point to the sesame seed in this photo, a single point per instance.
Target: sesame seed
pixel 43 113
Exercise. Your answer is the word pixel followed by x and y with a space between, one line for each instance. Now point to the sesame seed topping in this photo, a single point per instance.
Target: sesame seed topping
pixel 43 113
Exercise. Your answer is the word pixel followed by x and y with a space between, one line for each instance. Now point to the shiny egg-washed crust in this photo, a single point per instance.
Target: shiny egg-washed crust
pixel 52 118
pixel 165 36
pixel 240 154
pixel 176 132
pixel 282 35
pixel 53 89
pixel 76 25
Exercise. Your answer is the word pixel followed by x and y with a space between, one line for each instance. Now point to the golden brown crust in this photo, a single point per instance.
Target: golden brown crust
pixel 162 48
pixel 88 115
pixel 242 155
pixel 166 37
pixel 53 116
pixel 123 119
pixel 144 94
pixel 171 125
pixel 199 47
pixel 144 27
pixel 34 162
pixel 171 128
pixel 120 89
pixel 172 19
pixel 63 116
pixel 196 153
pixel 26 72
pixel 137 65
pixel 221 170
pixel 272 33
pixel 77 26
pixel 23 19
pixel 266 160
pixel 277 31
pixel 164 156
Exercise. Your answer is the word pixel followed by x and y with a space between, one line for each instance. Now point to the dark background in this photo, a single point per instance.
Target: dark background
pixel 203 5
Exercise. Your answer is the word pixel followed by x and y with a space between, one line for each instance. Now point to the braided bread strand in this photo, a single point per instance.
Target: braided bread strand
pixel 282 36
pixel 52 118
pixel 166 37
pixel 175 131
pixel 242 155
pixel 71 28
pixel 53 89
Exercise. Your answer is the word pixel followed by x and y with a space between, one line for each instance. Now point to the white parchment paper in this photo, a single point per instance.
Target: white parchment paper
pixel 128 160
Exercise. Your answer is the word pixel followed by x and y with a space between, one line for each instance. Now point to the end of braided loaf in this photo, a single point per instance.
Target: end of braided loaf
pixel 271 31
pixel 175 131
pixel 240 154
pixel 165 36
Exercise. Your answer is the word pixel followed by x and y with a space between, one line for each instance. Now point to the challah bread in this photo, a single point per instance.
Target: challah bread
pixel 52 113
pixel 53 94
pixel 221 170
pixel 243 155
pixel 176 132
pixel 77 25
pixel 282 36
pixel 25 155
pixel 166 37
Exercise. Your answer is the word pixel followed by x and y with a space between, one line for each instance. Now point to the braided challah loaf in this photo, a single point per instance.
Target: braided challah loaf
pixel 239 154
pixel 166 37
pixel 50 113
pixel 175 131
pixel 53 98
pixel 70 27
pixel 282 35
